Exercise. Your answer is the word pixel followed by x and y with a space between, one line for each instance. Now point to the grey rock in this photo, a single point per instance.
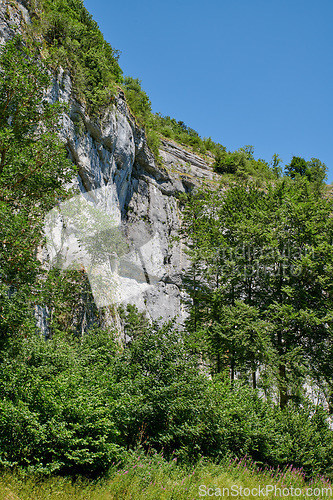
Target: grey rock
pixel 13 15
pixel 118 174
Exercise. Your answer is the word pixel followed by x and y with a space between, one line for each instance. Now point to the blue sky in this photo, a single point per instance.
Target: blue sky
pixel 255 72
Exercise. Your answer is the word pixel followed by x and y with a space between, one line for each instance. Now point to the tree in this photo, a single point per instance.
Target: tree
pixel 297 166
pixel 249 151
pixel 275 164
pixel 271 252
pixel 33 171
pixel 238 337
pixel 230 163
pixel 314 170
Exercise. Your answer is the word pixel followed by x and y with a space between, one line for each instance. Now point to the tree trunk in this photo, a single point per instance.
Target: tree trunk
pixel 254 379
pixel 232 370
pixel 283 386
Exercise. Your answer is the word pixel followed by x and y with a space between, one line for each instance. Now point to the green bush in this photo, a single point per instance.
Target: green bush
pixel 74 41
pixel 75 405
pixel 137 99
pixel 55 413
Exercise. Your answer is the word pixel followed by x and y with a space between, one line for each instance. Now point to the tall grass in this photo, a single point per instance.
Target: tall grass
pixel 152 478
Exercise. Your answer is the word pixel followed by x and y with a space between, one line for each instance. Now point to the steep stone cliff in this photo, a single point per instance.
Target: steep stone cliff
pixel 121 177
pixel 118 174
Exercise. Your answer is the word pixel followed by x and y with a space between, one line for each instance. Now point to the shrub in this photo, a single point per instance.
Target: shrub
pixel 74 41
pixel 75 405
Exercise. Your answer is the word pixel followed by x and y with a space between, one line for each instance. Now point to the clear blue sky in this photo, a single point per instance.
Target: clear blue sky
pixel 257 72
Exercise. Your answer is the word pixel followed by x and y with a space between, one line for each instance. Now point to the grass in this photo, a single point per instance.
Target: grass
pixel 152 478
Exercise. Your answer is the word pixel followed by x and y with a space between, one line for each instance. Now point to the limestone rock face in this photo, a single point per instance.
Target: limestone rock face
pixel 12 15
pixel 118 175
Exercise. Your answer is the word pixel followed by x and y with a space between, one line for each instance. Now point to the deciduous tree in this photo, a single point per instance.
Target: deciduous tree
pixel 33 172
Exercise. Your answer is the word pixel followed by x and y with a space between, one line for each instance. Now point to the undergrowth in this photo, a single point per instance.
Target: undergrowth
pixel 142 477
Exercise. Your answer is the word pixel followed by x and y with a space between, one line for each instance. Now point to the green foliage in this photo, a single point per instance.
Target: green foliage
pixel 153 140
pixel 242 164
pixel 74 41
pixel 140 106
pixel 54 416
pixel 314 170
pixel 137 99
pixel 33 170
pixel 297 166
pixel 275 164
pixel 74 406
pixel 68 300
pixel 164 388
pixel 237 336
pixel 178 131
pixel 229 163
pixel 264 255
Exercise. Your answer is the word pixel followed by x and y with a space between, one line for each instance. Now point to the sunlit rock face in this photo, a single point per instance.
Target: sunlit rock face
pixel 120 180
pixel 12 16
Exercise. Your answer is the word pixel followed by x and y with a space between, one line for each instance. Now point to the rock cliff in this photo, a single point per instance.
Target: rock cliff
pixel 118 174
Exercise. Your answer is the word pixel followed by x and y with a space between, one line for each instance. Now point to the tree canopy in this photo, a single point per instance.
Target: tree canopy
pixel 261 281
